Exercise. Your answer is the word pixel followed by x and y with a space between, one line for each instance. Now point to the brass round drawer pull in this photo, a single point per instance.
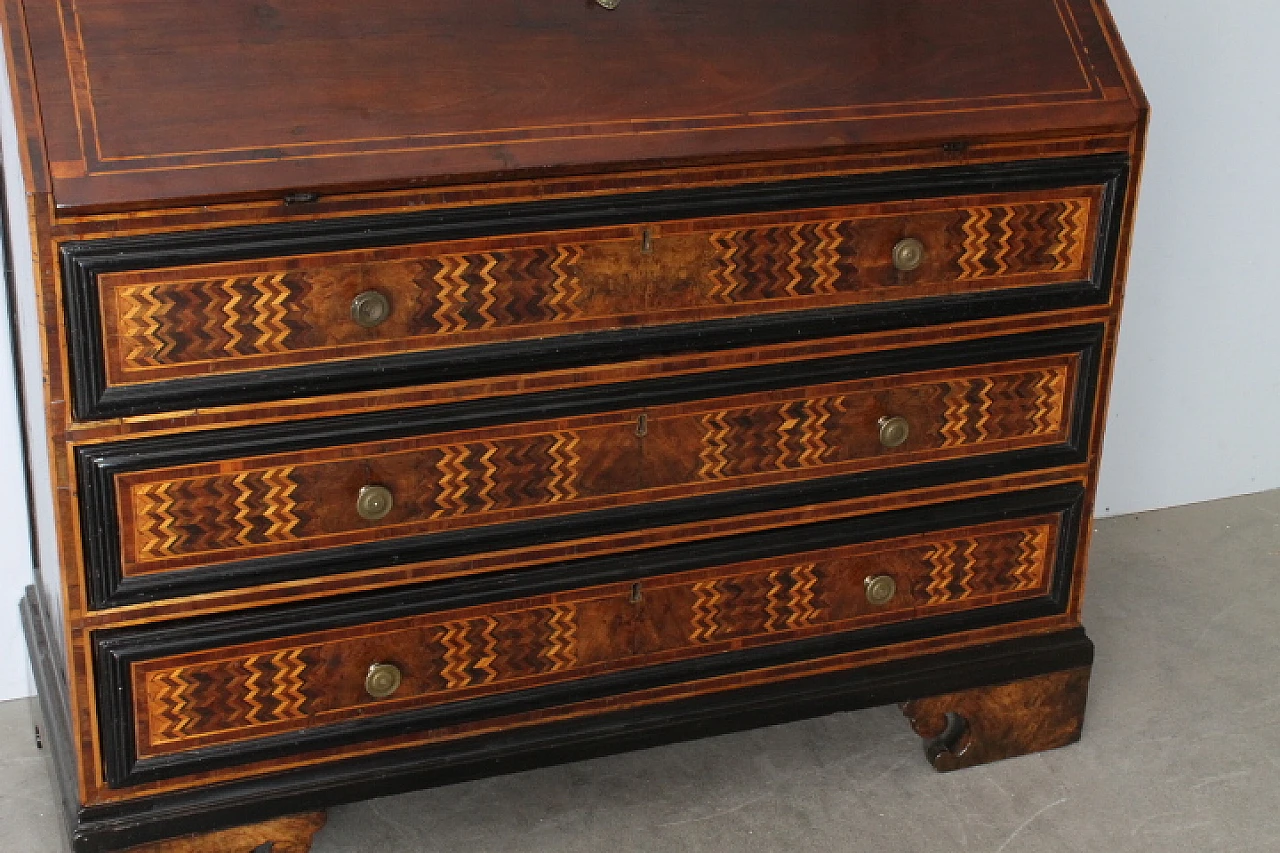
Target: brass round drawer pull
pixel 374 502
pixel 370 309
pixel 881 589
pixel 382 680
pixel 894 431
pixel 908 254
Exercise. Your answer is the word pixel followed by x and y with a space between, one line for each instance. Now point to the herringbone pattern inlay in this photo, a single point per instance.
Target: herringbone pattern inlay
pixel 212 319
pixel 240 693
pixel 487 476
pixel 753 603
pixel 488 290
pixel 810 259
pixel 252 691
pixel 580 466
pixel 963 568
pixel 288 684
pixel 1020 238
pixel 990 408
pixel 215 513
pixel 811 433
pixel 801 434
pixel 221 320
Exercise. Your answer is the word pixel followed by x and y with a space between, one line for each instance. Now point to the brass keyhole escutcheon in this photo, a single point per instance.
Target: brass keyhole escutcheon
pixel 646 242
pixel 642 426
pixel 908 254
pixel 382 680
pixel 374 502
pixel 880 589
pixel 894 431
pixel 637 594
pixel 370 309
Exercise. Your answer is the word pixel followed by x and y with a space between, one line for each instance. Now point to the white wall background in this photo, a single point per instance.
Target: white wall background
pixel 1195 411
pixel 15 543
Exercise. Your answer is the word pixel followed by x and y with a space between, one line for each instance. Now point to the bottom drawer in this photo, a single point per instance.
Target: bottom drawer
pixel 234 689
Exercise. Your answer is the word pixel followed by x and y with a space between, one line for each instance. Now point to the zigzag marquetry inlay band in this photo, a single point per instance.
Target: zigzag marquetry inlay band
pixel 583 464
pixel 241 315
pixel 185 321
pixel 250 508
pixel 303 681
pixel 1000 240
pixel 977 410
pixel 957 567
pixel 257 690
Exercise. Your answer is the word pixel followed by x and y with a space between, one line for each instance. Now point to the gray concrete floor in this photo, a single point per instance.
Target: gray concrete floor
pixel 1181 749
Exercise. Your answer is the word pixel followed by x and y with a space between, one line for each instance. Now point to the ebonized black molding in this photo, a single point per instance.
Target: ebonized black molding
pixel 82 262
pixel 52 706
pixel 107 828
pixel 116 651
pixel 99 465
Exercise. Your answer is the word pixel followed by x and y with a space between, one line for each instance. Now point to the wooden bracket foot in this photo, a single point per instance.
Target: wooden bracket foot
pixel 988 724
pixel 291 834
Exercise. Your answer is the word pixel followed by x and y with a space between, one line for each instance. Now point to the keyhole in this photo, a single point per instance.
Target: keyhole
pixel 646 242
pixel 642 426
pixel 636 595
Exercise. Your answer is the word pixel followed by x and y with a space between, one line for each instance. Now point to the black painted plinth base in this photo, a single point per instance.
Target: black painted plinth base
pixel 124 825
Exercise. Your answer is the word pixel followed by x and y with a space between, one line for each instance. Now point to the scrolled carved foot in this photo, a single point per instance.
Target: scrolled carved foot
pixel 291 834
pixel 989 724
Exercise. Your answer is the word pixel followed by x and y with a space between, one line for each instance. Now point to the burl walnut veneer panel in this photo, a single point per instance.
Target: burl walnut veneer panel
pixel 222 318
pixel 989 724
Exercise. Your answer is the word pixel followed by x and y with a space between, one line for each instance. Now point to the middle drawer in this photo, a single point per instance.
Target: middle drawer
pixel 164 514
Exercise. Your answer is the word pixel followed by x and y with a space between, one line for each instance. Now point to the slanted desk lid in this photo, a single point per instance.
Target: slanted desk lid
pixel 144 101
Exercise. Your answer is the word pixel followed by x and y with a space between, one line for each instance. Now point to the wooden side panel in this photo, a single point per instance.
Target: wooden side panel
pixel 24 304
pixel 245 508
pixel 228 694
pixel 224 318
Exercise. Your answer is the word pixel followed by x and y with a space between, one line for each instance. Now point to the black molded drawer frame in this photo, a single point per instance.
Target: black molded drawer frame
pixel 98 465
pixel 116 650
pixel 83 262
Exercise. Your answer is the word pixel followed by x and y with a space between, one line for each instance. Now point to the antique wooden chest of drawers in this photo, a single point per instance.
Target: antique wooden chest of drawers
pixel 419 391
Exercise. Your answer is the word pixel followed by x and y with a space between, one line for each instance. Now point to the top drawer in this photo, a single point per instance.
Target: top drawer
pixel 247 315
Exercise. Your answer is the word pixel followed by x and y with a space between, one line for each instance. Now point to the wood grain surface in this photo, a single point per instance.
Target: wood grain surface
pixel 242 508
pixel 223 318
pixel 148 120
pixel 989 724
pixel 145 101
pixel 291 834
pixel 229 694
